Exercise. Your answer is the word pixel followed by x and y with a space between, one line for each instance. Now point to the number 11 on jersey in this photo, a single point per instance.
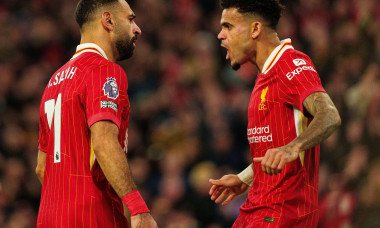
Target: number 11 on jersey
pixel 53 108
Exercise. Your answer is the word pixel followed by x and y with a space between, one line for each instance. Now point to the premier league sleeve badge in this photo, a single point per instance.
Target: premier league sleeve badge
pixel 110 88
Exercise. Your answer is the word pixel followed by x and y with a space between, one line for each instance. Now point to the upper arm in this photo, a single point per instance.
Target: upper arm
pixel 319 102
pixel 41 159
pixel 103 134
pixel 43 136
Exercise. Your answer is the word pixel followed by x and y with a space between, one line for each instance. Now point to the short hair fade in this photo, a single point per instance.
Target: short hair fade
pixel 269 10
pixel 86 7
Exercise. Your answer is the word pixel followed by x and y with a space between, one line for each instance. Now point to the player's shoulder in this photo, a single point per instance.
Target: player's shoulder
pixel 294 58
pixel 92 63
pixel 293 62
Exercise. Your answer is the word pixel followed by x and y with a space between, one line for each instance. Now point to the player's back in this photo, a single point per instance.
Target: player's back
pixel 75 192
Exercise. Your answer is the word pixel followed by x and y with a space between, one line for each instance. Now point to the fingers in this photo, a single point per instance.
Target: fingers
pixel 212 189
pixel 219 193
pixel 258 160
pixel 215 185
pixel 269 161
pixel 216 192
pixel 222 196
pixel 229 199
pixel 281 165
pixel 214 182
pixel 264 162
pixel 273 162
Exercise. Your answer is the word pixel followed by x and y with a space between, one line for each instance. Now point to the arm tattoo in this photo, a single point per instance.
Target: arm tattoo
pixel 326 120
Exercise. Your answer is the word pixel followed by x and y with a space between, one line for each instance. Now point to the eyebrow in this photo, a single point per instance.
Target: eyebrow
pixel 225 24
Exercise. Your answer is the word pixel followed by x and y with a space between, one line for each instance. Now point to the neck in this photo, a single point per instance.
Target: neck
pixel 102 41
pixel 265 47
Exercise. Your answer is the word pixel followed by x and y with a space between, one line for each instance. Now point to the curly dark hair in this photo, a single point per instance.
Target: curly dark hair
pixel 86 7
pixel 269 10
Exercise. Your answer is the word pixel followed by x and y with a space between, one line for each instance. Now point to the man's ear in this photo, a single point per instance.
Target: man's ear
pixel 107 21
pixel 256 28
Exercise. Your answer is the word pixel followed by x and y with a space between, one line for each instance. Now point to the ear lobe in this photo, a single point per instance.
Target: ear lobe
pixel 107 21
pixel 256 28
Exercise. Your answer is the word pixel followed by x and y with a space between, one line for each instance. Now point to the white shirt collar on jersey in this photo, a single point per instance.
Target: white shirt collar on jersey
pixel 276 54
pixel 89 47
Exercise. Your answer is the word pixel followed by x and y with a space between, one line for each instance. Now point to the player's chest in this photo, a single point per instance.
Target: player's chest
pixel 266 97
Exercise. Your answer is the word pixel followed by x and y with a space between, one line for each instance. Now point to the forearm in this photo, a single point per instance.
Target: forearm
pixel 325 122
pixel 111 157
pixel 113 162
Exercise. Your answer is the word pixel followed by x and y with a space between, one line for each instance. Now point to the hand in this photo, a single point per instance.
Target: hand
pixel 144 220
pixel 275 159
pixel 229 185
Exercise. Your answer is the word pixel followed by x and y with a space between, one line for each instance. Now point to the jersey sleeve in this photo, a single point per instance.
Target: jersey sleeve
pixel 43 130
pixel 298 79
pixel 106 91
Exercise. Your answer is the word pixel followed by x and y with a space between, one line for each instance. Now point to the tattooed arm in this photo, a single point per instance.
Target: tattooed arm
pixel 326 120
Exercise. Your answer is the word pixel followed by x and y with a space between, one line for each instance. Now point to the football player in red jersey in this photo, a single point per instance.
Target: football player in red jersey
pixel 84 114
pixel 289 115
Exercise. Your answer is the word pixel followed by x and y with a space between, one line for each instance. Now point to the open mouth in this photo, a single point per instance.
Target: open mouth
pixel 228 53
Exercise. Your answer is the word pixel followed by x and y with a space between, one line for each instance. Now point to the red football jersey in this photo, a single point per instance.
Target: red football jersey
pixel 275 117
pixel 75 192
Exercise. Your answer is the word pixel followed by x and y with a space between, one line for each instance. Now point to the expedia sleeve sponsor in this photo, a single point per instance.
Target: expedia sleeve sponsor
pixel 259 134
pixel 297 71
pixel 109 104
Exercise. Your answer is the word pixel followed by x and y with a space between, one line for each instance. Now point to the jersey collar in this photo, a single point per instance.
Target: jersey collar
pixel 276 54
pixel 89 47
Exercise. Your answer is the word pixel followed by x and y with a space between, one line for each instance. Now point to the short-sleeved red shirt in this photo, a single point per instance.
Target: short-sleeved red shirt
pixel 75 192
pixel 275 117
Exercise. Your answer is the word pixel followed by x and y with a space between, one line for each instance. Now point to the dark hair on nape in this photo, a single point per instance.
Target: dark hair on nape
pixel 269 10
pixel 86 7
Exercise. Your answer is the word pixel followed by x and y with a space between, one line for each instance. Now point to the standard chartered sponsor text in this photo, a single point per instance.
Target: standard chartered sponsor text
pixel 259 134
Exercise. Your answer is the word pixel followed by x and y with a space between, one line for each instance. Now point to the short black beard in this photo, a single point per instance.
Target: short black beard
pixel 125 48
pixel 235 66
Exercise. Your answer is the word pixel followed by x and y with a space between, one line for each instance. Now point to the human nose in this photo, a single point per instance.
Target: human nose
pixel 137 30
pixel 221 35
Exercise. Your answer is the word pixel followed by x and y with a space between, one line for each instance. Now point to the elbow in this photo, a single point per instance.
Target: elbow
pixel 40 172
pixel 337 121
pixel 98 148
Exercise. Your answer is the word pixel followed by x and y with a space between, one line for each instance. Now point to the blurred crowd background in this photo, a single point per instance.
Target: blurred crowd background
pixel 189 109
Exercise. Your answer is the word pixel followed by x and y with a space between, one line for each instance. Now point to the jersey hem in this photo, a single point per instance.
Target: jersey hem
pixel 42 149
pixel 103 116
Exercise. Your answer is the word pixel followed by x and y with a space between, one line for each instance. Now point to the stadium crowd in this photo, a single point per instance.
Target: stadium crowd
pixel 189 108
